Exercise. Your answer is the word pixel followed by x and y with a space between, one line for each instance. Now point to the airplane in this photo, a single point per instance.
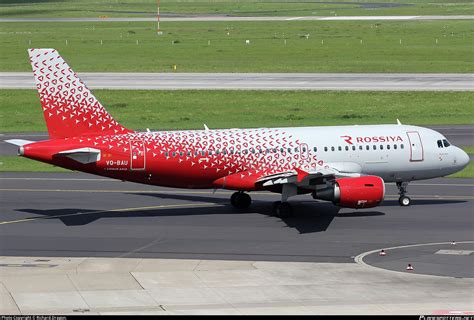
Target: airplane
pixel 347 165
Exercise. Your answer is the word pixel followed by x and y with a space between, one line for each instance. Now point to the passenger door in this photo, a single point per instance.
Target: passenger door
pixel 416 146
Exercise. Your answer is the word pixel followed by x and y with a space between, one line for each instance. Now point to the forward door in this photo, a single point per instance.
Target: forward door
pixel 416 146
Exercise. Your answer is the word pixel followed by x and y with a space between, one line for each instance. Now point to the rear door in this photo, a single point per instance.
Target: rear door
pixel 416 146
pixel 137 155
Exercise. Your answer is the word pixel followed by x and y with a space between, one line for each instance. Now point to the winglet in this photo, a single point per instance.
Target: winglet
pixel 398 122
pixel 301 174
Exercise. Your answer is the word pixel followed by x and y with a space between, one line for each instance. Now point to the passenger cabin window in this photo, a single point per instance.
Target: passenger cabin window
pixel 326 149
pixel 395 146
pixel 339 148
pixel 361 148
pixel 374 147
pixel 446 143
pixel 315 149
pixel 401 146
pixel 367 147
pixel 347 148
pixel 332 149
pixel 353 148
pixel 388 147
pixel 381 147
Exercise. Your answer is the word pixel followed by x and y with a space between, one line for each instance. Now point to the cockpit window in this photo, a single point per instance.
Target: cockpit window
pixel 440 144
pixel 446 143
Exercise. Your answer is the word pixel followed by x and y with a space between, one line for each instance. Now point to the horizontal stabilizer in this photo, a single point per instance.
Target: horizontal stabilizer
pixel 18 142
pixel 82 155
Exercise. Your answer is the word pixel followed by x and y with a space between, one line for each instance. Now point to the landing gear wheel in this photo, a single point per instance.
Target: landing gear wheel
pixel 240 200
pixel 404 201
pixel 282 209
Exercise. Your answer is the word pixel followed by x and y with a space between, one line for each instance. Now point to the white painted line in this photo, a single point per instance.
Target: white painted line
pixel 455 252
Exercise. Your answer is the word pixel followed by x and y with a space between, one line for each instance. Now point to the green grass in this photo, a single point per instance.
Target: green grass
pixel 337 46
pixel 468 172
pixel 187 109
pixel 468 149
pixel 145 8
pixel 20 164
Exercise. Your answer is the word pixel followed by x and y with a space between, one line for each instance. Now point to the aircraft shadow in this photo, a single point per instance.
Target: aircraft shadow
pixel 308 216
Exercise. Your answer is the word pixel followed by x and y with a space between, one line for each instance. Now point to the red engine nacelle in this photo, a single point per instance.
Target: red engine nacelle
pixel 361 192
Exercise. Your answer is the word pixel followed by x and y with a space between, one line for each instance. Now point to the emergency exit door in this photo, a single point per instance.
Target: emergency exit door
pixel 137 155
pixel 416 146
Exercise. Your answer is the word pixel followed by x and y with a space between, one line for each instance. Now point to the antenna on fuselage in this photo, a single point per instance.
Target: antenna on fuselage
pixel 206 127
pixel 398 122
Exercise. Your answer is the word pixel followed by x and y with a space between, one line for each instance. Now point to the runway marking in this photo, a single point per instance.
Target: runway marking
pixel 360 258
pixel 387 197
pixel 113 210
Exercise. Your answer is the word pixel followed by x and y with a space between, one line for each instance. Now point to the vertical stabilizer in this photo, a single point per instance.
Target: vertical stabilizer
pixel 69 107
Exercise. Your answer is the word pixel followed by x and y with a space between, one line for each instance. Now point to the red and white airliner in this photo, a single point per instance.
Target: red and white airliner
pixel 347 165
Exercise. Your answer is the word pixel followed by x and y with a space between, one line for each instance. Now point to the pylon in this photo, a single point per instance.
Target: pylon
pixel 409 267
pixel 382 253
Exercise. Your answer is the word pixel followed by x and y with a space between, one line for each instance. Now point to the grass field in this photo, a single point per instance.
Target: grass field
pixel 336 46
pixel 130 8
pixel 137 109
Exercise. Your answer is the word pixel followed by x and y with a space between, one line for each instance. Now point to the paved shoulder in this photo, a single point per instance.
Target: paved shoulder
pixel 262 81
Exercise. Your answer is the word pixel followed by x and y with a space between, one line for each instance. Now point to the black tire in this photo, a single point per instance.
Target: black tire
pixel 404 201
pixel 284 210
pixel 233 198
pixel 240 200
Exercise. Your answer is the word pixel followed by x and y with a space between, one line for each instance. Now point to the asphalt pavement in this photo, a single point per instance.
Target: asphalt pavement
pixel 76 214
pixel 261 81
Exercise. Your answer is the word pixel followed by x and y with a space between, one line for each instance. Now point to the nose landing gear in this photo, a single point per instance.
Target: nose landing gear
pixel 404 201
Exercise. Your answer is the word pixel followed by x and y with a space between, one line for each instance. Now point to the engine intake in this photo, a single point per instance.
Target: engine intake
pixel 357 193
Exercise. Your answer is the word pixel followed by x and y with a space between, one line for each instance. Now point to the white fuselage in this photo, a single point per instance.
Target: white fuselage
pixel 393 152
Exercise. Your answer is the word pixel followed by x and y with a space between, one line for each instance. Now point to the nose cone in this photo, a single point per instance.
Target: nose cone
pixel 462 159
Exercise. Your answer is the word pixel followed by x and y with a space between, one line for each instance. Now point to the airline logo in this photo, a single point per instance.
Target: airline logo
pixel 349 139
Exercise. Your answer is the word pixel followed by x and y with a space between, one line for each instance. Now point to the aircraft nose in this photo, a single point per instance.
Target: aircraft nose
pixel 462 158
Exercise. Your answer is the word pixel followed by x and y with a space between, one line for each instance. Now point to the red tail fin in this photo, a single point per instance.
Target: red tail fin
pixel 69 107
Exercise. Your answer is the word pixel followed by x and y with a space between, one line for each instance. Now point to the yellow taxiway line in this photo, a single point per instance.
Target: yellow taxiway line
pixel 113 210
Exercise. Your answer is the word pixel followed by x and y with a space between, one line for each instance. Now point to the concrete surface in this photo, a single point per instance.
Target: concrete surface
pixel 261 81
pixel 252 287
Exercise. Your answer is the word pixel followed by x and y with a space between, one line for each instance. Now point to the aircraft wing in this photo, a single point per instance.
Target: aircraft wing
pixel 302 178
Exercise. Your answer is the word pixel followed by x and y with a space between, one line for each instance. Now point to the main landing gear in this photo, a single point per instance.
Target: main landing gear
pixel 280 209
pixel 404 201
pixel 240 200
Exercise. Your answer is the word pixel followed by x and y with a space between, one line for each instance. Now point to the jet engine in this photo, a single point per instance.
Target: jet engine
pixel 357 193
